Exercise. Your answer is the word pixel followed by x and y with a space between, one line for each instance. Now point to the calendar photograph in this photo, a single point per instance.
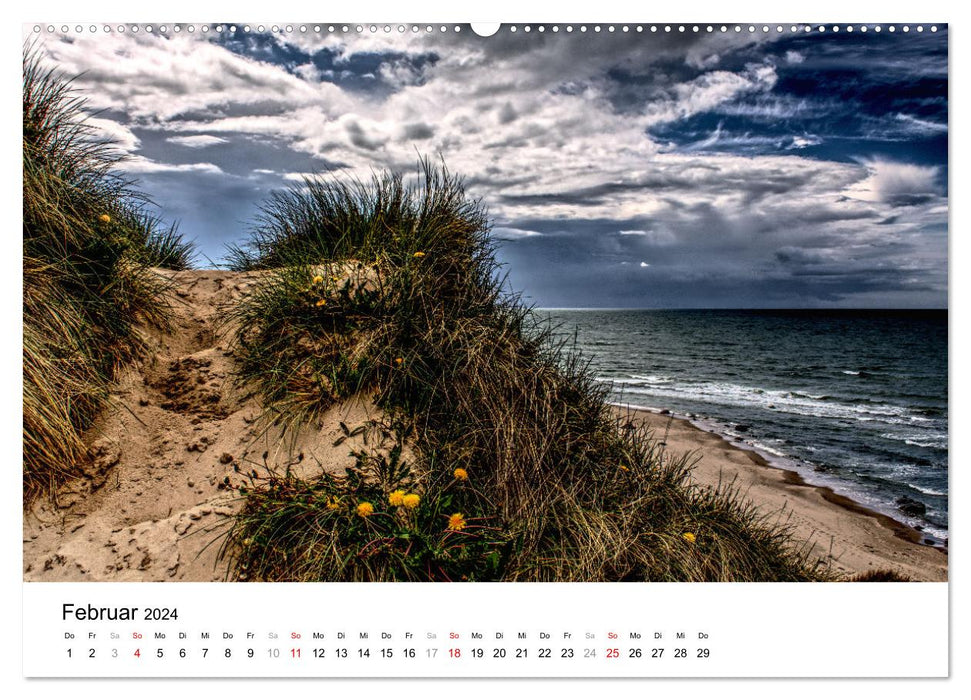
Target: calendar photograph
pixel 410 303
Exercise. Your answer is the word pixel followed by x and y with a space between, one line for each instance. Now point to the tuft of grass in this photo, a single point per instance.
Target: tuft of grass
pixel 393 290
pixel 879 576
pixel 157 244
pixel 89 248
pixel 381 521
pixel 381 219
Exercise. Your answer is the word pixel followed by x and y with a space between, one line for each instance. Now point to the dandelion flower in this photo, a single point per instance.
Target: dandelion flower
pixel 364 509
pixel 318 279
pixel 396 498
pixel 419 254
pixel 105 219
pixel 461 474
pixel 411 500
pixel 398 361
pixel 321 302
pixel 624 468
pixel 456 522
pixel 690 536
pixel 333 503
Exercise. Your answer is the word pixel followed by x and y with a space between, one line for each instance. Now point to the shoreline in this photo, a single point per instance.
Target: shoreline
pixel 844 534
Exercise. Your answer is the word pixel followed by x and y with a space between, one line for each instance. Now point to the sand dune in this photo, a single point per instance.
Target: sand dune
pixel 152 504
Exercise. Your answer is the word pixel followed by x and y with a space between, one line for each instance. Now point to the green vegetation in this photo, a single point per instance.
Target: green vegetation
pixel 89 246
pixel 521 469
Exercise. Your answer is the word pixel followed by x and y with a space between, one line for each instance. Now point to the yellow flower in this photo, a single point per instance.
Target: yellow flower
pixel 398 361
pixel 623 467
pixel 321 302
pixel 461 474
pixel 419 254
pixel 396 498
pixel 333 503
pixel 247 542
pixel 690 536
pixel 456 521
pixel 105 219
pixel 411 500
pixel 364 509
pixel 318 279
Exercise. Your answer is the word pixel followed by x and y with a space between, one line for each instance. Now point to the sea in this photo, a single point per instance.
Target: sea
pixel 851 399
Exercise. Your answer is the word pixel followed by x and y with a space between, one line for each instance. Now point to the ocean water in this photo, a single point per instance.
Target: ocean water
pixel 854 400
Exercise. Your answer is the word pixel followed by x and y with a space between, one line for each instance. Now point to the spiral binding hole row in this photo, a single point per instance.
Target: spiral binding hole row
pixel 442 28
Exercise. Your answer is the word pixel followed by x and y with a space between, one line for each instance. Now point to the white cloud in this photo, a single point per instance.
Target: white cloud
pixel 710 90
pixel 156 80
pixel 804 142
pixel 897 184
pixel 400 73
pixel 120 136
pixel 921 126
pixel 499 119
pixel 511 234
pixel 140 164
pixel 644 264
pixel 196 140
pixel 491 125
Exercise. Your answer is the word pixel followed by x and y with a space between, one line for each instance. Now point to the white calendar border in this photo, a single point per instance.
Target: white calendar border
pixel 507 10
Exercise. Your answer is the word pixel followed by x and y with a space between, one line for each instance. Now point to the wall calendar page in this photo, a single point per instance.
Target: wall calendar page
pixel 553 350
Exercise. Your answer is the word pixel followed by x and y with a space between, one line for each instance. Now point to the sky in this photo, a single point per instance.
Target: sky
pixel 619 169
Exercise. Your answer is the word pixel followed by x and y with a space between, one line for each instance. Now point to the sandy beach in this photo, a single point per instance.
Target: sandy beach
pixel 844 535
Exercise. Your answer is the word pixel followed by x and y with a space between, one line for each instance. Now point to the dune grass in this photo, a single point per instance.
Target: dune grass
pixel 879 576
pixel 90 243
pixel 520 468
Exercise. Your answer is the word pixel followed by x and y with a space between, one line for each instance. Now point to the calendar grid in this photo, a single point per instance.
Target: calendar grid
pixel 473 630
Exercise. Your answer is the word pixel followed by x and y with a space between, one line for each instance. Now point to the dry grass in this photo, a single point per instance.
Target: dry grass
pixel 89 246
pixel 879 576
pixel 557 488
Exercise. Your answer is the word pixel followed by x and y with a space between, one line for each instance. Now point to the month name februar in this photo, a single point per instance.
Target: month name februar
pixel 90 612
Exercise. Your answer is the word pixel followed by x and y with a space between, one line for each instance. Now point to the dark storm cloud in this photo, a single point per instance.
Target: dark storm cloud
pixel 697 277
pixel 857 88
pixel 418 131
pixel 361 139
pixel 694 178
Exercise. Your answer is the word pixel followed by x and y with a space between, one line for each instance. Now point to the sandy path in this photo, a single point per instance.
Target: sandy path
pixel 844 535
pixel 152 505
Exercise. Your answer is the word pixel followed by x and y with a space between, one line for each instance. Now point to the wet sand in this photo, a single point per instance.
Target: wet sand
pixel 844 535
